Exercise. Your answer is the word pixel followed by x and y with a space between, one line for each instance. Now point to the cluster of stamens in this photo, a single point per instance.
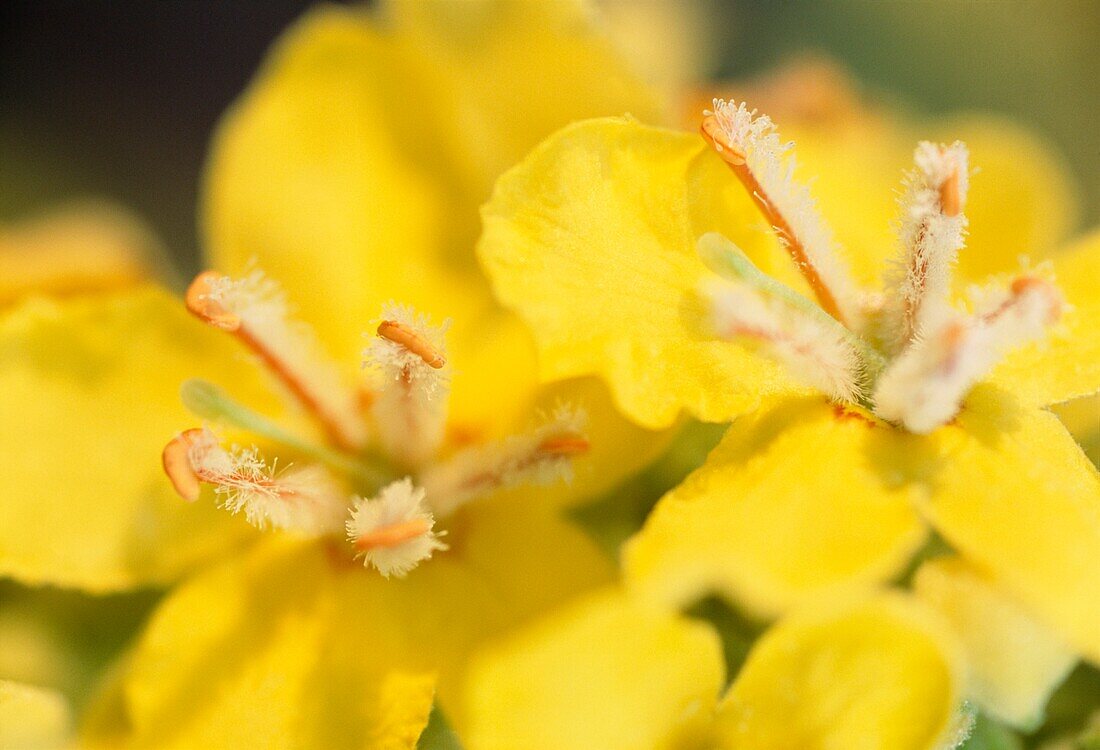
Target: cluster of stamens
pixel 385 474
pixel 905 353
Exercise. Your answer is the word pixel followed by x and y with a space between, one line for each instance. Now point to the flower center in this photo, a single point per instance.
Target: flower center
pixel 385 436
pixel 906 353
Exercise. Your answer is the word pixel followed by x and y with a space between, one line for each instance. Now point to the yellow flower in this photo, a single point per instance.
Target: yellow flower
pixel 871 432
pixel 350 173
pixel 873 672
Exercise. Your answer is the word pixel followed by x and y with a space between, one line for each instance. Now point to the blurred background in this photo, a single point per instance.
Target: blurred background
pixel 117 98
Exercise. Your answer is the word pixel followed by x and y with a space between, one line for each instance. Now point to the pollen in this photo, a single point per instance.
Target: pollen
pixel 406 337
pixel 393 532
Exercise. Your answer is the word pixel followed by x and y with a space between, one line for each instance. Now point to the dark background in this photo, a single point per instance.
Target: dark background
pixel 118 98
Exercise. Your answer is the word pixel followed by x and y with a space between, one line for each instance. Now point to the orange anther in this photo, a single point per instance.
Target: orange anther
pixel 200 303
pixel 402 335
pixel 950 201
pixel 564 445
pixel 1022 285
pixel 176 458
pixel 392 535
pixel 713 134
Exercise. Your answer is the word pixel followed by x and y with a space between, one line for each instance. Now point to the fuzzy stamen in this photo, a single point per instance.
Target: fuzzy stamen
pixel 394 531
pixel 307 500
pixel 750 146
pixel 410 402
pixel 255 311
pixel 543 456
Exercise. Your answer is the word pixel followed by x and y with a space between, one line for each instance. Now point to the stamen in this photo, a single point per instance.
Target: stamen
pixel 925 386
pixel 750 145
pixel 540 457
pixel 254 309
pixel 931 230
pixel 410 402
pixel 393 532
pixel 307 500
pixel 813 353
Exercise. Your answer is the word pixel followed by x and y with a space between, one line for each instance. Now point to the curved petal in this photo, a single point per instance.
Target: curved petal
pixel 264 652
pixel 32 718
pixel 1019 499
pixel 1014 662
pixel 77 248
pixel 796 503
pixel 604 672
pixel 91 394
pixel 295 645
pixel 509 74
pixel 1067 365
pixel 591 239
pixel 881 673
pixel 1081 417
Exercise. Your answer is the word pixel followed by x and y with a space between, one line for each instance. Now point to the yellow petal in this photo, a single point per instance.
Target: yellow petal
pixel 591 239
pixel 1018 498
pixel 90 396
pixel 1014 662
pixel 1081 417
pixel 297 646
pixel 1067 364
pixel 78 248
pixel 264 652
pixel 32 718
pixel 795 503
pixel 604 673
pixel 509 74
pixel 308 174
pixel 881 673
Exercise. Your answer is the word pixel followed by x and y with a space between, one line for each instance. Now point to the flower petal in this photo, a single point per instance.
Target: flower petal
pixel 605 672
pixel 881 673
pixel 795 503
pixel 78 248
pixel 295 645
pixel 32 718
pixel 263 652
pixel 91 394
pixel 591 239
pixel 1014 662
pixel 1067 365
pixel 1018 498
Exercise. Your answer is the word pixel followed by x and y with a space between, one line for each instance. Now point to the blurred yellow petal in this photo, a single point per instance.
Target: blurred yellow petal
pixel 1067 364
pixel 603 673
pixel 306 176
pixel 90 397
pixel 79 248
pixel 1019 499
pixel 511 73
pixel 797 502
pixel 1014 662
pixel 264 652
pixel 877 674
pixel 298 646
pixel 591 239
pixel 32 718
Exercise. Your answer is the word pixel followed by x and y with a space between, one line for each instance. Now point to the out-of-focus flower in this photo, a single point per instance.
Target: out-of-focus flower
pixel 809 496
pixel 350 172
pixel 880 672
pixel 32 718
